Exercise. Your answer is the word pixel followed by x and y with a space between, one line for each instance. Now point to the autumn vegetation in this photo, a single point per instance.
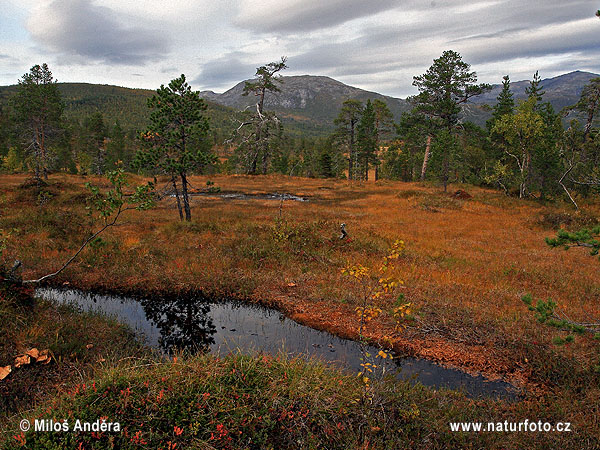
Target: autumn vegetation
pixel 448 274
pixel 466 265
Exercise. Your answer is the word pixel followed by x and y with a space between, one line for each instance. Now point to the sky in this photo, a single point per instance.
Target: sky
pixel 378 45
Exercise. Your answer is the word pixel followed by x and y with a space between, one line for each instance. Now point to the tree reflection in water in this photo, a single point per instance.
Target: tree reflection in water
pixel 184 323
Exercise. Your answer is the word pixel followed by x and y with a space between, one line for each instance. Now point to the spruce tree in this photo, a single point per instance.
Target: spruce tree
pixel 505 104
pixel 97 132
pixel 535 90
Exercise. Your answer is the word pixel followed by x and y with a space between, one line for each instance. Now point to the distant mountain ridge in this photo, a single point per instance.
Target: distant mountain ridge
pixel 307 104
pixel 311 100
pixel 316 100
pixel 561 91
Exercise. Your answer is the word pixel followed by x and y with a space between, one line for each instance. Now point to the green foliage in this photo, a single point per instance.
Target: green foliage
pixel 518 134
pixel 446 85
pixel 545 312
pixel 265 79
pixel 588 238
pixel 347 121
pixel 176 142
pixel 367 140
pixel 505 104
pixel 534 91
pixel 384 119
pixel 108 205
pixel 13 161
pixel 261 128
pixel 404 161
pixel 38 108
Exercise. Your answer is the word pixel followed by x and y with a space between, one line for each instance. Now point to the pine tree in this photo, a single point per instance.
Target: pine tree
pixel 347 121
pixel 262 123
pixel 367 139
pixel 384 122
pixel 589 104
pixel 176 142
pixel 38 109
pixel 446 85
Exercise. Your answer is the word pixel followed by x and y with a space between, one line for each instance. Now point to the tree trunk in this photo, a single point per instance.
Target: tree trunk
pixel 265 163
pixel 445 175
pixel 265 156
pixel 177 197
pixel 351 154
pixel 254 162
pixel 426 158
pixel 43 153
pixel 186 200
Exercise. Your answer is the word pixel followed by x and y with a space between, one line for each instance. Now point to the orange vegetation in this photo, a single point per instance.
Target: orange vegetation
pixel 465 267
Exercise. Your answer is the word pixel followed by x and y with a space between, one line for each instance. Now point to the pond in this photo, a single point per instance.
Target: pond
pixel 221 327
pixel 248 196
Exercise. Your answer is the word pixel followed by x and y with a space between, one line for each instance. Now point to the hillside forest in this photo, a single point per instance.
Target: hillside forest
pixel 526 148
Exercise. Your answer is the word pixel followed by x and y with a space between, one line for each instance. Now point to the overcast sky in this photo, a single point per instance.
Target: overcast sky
pixel 377 45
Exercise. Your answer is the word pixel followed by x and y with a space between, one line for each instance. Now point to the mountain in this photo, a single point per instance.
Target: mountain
pixel 306 102
pixel 561 91
pixel 128 106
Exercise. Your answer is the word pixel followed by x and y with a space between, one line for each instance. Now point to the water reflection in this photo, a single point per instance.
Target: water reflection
pixel 196 323
pixel 183 323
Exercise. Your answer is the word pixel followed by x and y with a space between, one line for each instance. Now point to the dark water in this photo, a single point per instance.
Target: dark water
pixel 221 327
pixel 243 196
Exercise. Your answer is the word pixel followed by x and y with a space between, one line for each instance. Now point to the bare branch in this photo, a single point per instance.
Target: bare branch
pixel 87 241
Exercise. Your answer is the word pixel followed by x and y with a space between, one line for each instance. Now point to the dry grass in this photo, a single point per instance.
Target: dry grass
pixel 466 265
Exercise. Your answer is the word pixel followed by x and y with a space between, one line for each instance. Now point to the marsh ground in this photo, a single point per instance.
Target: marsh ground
pixel 466 265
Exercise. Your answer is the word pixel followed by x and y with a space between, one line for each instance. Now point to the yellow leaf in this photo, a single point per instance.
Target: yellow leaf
pixel 382 354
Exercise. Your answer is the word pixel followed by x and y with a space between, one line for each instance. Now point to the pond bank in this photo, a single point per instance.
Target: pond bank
pixel 189 322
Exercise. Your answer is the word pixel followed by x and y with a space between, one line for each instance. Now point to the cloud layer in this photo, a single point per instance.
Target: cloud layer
pixel 378 46
pixel 92 33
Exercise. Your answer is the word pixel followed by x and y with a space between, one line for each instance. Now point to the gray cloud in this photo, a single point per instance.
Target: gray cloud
pixel 222 72
pixel 94 33
pixel 576 39
pixel 305 15
pixel 513 31
pixel 377 45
